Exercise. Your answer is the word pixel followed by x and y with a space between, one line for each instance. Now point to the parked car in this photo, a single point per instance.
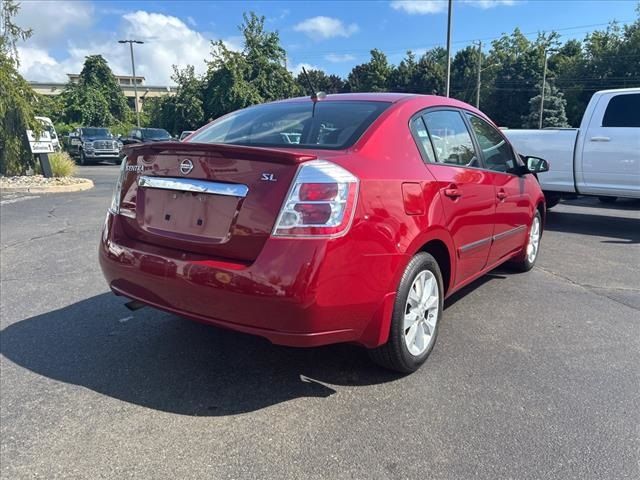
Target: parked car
pixel 185 134
pixel 601 158
pixel 47 124
pixel 146 135
pixel 385 205
pixel 94 144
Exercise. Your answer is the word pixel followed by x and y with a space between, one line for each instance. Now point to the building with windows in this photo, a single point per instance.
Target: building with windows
pixel 126 83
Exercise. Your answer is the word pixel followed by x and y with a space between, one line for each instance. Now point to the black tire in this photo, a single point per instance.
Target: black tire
pixel 522 263
pixel 83 158
pixel 608 200
pixel 551 199
pixel 394 355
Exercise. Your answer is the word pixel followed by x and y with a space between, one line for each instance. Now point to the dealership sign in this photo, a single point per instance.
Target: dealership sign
pixel 41 144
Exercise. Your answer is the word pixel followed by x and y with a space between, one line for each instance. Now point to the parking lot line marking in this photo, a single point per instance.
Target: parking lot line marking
pixel 19 199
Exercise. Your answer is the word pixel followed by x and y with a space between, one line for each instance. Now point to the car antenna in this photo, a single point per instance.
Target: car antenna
pixel 315 95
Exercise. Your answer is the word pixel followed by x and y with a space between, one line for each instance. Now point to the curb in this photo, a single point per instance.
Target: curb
pixel 76 187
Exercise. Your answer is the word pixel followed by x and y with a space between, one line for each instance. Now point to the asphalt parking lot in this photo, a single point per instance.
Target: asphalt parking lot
pixel 534 375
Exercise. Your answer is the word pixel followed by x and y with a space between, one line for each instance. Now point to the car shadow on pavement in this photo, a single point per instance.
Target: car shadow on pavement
pixel 160 361
pixel 625 229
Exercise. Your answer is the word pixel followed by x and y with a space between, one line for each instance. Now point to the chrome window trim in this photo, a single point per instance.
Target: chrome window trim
pixel 195 186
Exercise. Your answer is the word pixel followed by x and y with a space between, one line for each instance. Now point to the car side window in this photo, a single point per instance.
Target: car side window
pixel 451 139
pixel 623 111
pixel 498 154
pixel 422 138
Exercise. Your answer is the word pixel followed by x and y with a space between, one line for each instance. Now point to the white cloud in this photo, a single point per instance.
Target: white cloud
pixel 425 7
pixel 168 41
pixel 420 7
pixel 339 58
pixel 321 28
pixel 484 4
pixel 297 68
pixel 54 20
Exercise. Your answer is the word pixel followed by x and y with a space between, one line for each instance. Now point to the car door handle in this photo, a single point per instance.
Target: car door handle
pixel 501 195
pixel 600 139
pixel 452 191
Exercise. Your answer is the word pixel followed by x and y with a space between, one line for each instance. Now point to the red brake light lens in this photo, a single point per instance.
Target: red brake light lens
pixel 318 191
pixel 321 202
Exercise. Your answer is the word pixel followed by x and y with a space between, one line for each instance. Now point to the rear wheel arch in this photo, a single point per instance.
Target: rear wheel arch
pixel 540 207
pixel 440 252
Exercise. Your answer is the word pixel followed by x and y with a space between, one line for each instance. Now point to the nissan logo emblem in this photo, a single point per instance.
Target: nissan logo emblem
pixel 186 166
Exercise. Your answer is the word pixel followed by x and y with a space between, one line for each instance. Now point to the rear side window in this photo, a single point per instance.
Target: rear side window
pixel 422 137
pixel 332 125
pixel 623 111
pixel 451 139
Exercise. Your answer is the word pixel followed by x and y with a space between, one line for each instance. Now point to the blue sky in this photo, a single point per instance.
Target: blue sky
pixel 332 35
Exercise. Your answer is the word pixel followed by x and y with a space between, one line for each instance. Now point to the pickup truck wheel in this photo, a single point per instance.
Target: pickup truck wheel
pixel 551 199
pixel 415 319
pixel 527 259
pixel 607 200
pixel 83 158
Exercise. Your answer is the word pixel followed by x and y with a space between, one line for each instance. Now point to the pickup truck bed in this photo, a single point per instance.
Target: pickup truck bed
pixel 554 145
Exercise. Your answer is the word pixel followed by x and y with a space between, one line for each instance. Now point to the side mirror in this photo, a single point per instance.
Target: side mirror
pixel 537 165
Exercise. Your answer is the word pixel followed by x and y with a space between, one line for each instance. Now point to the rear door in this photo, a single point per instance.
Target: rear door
pixel 611 148
pixel 513 203
pixel 466 190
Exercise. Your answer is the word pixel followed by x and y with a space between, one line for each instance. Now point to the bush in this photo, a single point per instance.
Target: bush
pixel 62 165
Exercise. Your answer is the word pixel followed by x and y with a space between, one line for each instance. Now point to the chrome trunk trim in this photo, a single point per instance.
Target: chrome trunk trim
pixel 195 186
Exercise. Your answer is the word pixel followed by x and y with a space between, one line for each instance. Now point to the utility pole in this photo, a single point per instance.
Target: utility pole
pixel 478 79
pixel 544 81
pixel 133 68
pixel 449 47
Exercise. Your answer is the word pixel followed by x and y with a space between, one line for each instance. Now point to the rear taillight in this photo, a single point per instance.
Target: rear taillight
pixel 117 191
pixel 321 202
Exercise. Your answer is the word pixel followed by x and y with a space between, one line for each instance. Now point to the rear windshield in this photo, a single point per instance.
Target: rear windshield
pixel 333 125
pixel 156 133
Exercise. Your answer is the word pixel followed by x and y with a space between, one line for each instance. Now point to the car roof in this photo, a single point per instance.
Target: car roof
pixel 392 97
pixel 363 96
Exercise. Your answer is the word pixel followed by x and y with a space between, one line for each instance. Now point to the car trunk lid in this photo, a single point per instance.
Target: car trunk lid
pixel 214 199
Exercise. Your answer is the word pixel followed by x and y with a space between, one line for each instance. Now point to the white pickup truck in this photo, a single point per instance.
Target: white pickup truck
pixel 601 158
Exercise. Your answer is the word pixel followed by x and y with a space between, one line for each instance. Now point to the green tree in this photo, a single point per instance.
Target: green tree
pixel 254 75
pixel 321 81
pixel 9 31
pixel 372 76
pixel 464 74
pixel 432 72
pixel 16 100
pixel 404 77
pixel 96 99
pixel 182 111
pixel 553 115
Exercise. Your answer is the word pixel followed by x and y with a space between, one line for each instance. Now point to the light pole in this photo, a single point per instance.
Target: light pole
pixel 133 68
pixel 449 46
pixel 544 80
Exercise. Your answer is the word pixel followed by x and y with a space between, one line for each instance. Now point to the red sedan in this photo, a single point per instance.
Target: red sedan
pixel 344 218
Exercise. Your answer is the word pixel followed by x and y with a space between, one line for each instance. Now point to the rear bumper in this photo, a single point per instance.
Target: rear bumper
pixel 300 293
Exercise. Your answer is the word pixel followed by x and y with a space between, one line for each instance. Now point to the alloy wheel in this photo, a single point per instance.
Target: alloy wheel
pixel 421 313
pixel 534 240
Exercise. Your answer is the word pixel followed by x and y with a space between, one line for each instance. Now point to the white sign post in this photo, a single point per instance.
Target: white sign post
pixel 42 146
